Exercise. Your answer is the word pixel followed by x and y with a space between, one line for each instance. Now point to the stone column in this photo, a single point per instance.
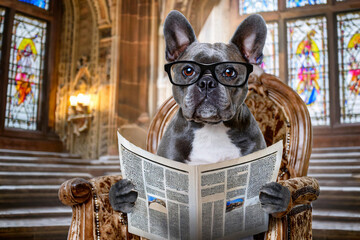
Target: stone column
pixel 137 63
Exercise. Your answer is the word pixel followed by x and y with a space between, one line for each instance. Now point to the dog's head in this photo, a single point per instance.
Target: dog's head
pixel 207 92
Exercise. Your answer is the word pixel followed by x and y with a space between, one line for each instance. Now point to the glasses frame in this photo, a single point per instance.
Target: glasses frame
pixel 211 67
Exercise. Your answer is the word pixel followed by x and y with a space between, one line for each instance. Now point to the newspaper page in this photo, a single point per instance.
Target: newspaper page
pixel 211 201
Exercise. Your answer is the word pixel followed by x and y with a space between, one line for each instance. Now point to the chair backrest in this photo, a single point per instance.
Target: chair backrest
pixel 280 113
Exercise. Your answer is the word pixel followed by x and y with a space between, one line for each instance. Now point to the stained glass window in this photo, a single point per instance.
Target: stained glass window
pixel 253 6
pixel 308 65
pixel 39 3
pixel 301 3
pixel 25 72
pixel 270 62
pixel 348 27
pixel 2 18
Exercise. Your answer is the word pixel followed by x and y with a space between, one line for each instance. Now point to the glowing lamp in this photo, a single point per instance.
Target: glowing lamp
pixel 73 101
pixel 83 99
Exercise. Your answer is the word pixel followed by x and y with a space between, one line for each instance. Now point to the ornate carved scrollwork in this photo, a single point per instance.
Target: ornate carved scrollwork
pixel 272 121
pixel 79 112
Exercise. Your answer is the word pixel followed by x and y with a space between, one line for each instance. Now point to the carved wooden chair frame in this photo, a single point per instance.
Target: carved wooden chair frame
pixel 271 101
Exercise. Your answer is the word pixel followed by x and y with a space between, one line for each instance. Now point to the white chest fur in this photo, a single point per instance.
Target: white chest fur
pixel 212 144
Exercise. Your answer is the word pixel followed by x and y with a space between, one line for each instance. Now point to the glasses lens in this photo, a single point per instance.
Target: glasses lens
pixel 233 74
pixel 184 73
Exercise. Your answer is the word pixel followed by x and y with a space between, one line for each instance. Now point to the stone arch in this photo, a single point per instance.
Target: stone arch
pixel 79 39
pixel 122 46
pixel 102 11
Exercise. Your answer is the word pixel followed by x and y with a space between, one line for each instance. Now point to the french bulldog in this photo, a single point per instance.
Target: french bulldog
pixel 210 85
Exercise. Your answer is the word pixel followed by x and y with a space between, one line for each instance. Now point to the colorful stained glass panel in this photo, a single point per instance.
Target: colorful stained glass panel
pixel 270 62
pixel 308 65
pixel 254 6
pixel 25 73
pixel 301 3
pixel 39 3
pixel 2 19
pixel 348 27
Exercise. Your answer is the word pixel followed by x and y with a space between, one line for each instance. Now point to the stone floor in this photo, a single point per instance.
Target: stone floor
pixel 336 213
pixel 30 209
pixel 29 182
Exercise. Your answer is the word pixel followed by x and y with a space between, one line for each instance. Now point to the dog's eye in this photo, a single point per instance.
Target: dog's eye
pixel 188 71
pixel 230 72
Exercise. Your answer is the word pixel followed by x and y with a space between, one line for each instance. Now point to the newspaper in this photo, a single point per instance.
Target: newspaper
pixel 212 201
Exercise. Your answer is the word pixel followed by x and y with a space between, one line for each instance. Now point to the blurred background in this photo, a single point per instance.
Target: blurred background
pixel 72 72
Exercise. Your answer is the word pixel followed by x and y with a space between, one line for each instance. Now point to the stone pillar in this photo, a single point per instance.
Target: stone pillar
pixel 137 63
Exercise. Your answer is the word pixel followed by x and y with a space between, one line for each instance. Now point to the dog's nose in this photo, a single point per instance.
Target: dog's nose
pixel 207 82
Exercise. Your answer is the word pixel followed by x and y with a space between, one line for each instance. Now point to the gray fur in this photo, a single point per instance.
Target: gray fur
pixel 274 197
pixel 249 139
pixel 228 103
pixel 250 38
pixel 122 196
pixel 180 144
pixel 221 104
pixel 246 45
pixel 178 35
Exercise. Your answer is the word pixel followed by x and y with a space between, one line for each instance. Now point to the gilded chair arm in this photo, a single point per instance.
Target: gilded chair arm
pixel 303 190
pixel 75 191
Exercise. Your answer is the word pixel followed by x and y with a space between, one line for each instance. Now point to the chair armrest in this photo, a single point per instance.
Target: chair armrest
pixel 75 191
pixel 93 216
pixel 303 190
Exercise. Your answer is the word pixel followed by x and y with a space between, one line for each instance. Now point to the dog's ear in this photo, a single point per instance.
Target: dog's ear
pixel 178 35
pixel 250 38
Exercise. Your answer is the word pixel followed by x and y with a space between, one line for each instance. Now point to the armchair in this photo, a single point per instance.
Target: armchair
pixel 280 113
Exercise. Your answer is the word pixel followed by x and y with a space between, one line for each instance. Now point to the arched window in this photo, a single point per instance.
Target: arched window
pixel 319 47
pixel 28 38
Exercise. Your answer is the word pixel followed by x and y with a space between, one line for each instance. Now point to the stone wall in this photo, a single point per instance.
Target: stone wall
pixel 87 34
pixel 119 40
pixel 123 43
pixel 139 22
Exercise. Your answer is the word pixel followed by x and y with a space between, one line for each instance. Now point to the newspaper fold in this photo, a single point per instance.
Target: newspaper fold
pixel 212 201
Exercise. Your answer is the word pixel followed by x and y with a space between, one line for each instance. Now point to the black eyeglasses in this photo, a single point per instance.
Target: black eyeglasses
pixel 230 74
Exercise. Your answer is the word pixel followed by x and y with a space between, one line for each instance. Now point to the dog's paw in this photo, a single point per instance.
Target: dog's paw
pixel 122 196
pixel 274 197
